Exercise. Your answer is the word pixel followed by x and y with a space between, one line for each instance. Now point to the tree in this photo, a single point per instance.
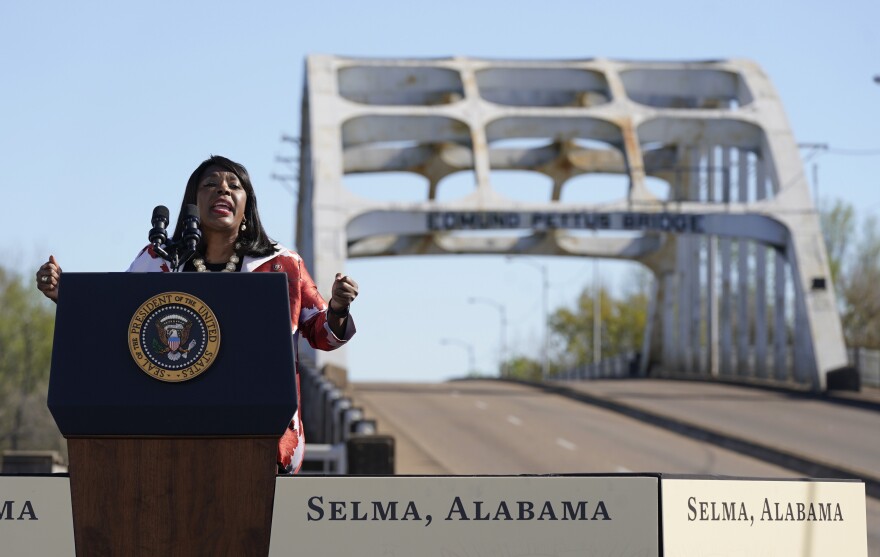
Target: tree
pixel 623 323
pixel 573 328
pixel 861 290
pixel 855 270
pixel 838 222
pixel 521 367
pixel 27 323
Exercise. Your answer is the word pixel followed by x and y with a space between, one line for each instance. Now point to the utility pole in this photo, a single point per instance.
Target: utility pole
pixel 289 181
pixel 815 150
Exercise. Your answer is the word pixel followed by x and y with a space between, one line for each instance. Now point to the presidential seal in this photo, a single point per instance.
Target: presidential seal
pixel 174 337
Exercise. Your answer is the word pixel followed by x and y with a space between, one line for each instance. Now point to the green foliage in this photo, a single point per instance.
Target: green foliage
pixel 573 328
pixel 855 270
pixel 622 325
pixel 27 323
pixel 838 222
pixel 861 290
pixel 622 329
pixel 524 368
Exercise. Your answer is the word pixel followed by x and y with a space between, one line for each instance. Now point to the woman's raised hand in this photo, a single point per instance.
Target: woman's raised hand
pixel 48 278
pixel 343 293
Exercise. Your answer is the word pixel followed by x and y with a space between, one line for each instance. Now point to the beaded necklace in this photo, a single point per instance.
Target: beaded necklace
pixel 231 265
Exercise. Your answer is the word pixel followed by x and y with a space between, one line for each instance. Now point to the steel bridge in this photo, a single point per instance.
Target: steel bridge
pixel 731 234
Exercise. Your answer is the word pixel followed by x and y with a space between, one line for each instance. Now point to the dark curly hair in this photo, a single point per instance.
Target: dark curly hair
pixel 254 241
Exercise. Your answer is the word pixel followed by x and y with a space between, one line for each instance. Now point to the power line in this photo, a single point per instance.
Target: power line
pixel 855 152
pixel 817 149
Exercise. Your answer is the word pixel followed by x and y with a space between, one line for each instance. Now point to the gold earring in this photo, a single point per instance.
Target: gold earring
pixel 243 225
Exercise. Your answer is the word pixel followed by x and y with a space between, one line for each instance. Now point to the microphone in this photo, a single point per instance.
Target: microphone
pixel 191 235
pixel 159 234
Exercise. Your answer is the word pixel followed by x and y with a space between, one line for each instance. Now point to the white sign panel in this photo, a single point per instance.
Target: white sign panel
pixel 754 518
pixel 35 517
pixel 564 516
pixel 465 516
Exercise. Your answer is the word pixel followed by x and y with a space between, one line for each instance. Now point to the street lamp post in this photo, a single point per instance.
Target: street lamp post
pixel 467 346
pixel 545 288
pixel 503 312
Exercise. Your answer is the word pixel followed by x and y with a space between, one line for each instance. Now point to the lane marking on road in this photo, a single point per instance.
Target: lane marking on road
pixel 481 405
pixel 566 444
pixel 514 420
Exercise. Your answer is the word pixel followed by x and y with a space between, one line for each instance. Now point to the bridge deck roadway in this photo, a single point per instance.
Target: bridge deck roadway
pixel 839 432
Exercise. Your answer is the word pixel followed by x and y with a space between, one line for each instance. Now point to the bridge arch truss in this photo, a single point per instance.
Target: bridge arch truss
pixel 742 281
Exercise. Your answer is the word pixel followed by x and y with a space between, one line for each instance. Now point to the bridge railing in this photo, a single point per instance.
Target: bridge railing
pixel 622 365
pixel 627 365
pixel 339 438
pixel 868 363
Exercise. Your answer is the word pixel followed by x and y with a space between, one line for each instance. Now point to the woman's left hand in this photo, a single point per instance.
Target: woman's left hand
pixel 343 293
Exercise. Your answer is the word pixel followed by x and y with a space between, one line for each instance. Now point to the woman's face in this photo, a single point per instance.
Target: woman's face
pixel 221 200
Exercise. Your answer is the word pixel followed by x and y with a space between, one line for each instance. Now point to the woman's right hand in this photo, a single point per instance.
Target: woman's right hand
pixel 48 278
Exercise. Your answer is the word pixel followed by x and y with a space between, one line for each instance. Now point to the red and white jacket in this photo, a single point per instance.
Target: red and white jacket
pixel 308 313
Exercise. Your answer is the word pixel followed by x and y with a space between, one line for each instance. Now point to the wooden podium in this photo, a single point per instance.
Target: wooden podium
pixel 163 463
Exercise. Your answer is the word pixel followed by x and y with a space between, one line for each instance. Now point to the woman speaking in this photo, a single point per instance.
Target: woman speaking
pixel 233 240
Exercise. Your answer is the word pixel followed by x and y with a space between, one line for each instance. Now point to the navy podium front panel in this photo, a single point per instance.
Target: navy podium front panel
pixel 97 389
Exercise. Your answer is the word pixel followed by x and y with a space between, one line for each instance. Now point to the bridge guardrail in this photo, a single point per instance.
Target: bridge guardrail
pixel 626 365
pixel 339 438
pixel 868 363
pixel 622 365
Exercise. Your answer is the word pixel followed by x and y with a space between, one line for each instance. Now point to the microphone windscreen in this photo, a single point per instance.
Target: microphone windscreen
pixel 192 211
pixel 161 212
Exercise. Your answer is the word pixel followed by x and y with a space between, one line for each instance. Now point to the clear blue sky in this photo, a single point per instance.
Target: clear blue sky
pixel 105 109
